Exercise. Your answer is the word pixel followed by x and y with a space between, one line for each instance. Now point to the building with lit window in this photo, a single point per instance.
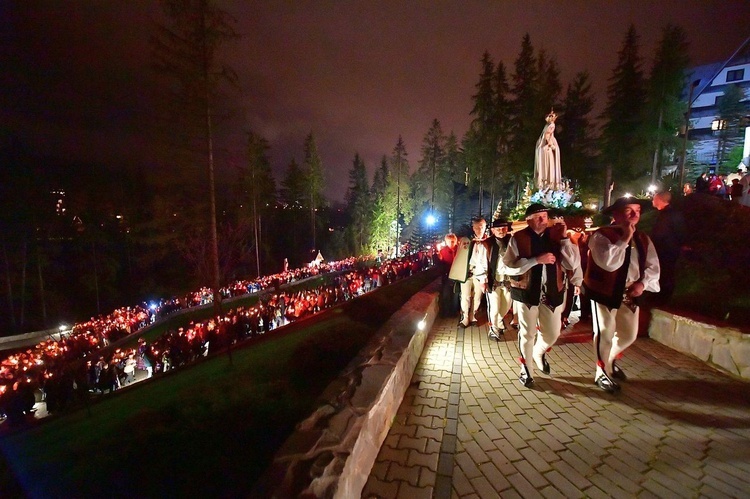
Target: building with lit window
pixel 714 137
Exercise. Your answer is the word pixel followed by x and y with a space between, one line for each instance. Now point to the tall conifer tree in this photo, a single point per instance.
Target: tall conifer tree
pixel 314 180
pixel 358 206
pixel 664 110
pixel 575 135
pixel 623 153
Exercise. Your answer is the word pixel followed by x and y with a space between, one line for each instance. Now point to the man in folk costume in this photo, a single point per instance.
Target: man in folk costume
pixel 537 260
pixel 499 301
pixel 470 269
pixel 622 265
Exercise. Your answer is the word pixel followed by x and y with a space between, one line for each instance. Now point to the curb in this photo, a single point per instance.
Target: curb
pixel 332 452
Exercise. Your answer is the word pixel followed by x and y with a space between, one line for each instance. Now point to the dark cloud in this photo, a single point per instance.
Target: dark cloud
pixel 76 76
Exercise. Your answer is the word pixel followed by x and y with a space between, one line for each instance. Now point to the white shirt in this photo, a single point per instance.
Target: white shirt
pixel 479 261
pixel 610 257
pixel 570 259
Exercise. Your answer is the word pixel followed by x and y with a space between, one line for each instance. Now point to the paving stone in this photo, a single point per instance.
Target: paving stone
pixel 408 474
pixel 379 469
pixel 531 473
pixel 595 492
pixel 563 484
pixel 661 436
pixel 723 481
pixel 483 487
pixel 544 441
pixel 478 455
pixel 536 459
pixel 502 462
pixel 380 489
pixel 461 483
pixel 658 489
pixel 424 460
pixel 625 464
pixel 495 477
pixel 610 487
pixel 523 486
pixel 467 464
pixel 407 490
pixel 418 444
pixel 394 455
pixel 619 478
pixel 427 478
pixel 576 463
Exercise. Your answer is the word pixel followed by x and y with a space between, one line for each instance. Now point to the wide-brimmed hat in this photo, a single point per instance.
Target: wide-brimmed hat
pixel 624 201
pixel 535 208
pixel 502 222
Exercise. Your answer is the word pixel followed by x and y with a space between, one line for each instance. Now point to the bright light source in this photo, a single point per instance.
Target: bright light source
pixel 421 325
pixel 628 195
pixel 430 219
pixel 63 327
pixel 652 188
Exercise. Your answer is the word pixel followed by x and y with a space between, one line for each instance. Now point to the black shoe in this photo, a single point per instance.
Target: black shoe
pixel 473 323
pixel 607 384
pixel 525 379
pixel 545 364
pixel 618 373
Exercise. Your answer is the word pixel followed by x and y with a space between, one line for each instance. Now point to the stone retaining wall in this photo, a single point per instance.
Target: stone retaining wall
pixel 332 452
pixel 723 347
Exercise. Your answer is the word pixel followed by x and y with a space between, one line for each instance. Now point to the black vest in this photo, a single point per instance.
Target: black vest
pixel 527 288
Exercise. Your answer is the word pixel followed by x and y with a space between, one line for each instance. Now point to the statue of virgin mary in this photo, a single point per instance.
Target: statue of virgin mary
pixel 547 174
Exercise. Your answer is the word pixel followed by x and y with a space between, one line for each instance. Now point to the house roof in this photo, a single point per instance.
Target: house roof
pixel 706 74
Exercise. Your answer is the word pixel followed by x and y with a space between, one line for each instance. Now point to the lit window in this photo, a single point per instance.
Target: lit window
pixel 735 75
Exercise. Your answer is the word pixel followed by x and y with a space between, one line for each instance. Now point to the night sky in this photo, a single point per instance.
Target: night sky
pixel 75 75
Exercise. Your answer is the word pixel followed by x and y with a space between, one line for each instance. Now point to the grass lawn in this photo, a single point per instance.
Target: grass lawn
pixel 208 430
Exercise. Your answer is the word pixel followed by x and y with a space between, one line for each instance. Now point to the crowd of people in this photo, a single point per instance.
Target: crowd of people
pixel 531 278
pixel 67 370
pixel 734 187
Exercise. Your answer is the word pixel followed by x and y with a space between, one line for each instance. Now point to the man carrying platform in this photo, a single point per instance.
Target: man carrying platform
pixel 622 265
pixel 537 260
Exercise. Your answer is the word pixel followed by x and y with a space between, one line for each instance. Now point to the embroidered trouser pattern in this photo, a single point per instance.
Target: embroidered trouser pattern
pixel 498 304
pixel 532 342
pixel 614 331
pixel 471 298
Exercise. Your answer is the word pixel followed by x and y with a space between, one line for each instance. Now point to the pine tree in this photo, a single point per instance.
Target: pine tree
pixel 575 135
pixel 732 121
pixel 664 110
pixel 260 187
pixel 431 182
pixel 358 206
pixel 482 138
pixel 526 125
pixel 623 153
pixel 503 125
pixel 548 84
pixel 186 52
pixel 313 176
pixel 380 179
pixel 293 186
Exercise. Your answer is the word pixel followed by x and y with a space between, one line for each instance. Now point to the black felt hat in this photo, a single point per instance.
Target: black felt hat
pixel 535 208
pixel 622 202
pixel 502 222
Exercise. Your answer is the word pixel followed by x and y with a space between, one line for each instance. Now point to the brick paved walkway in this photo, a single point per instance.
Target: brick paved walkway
pixel 467 428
